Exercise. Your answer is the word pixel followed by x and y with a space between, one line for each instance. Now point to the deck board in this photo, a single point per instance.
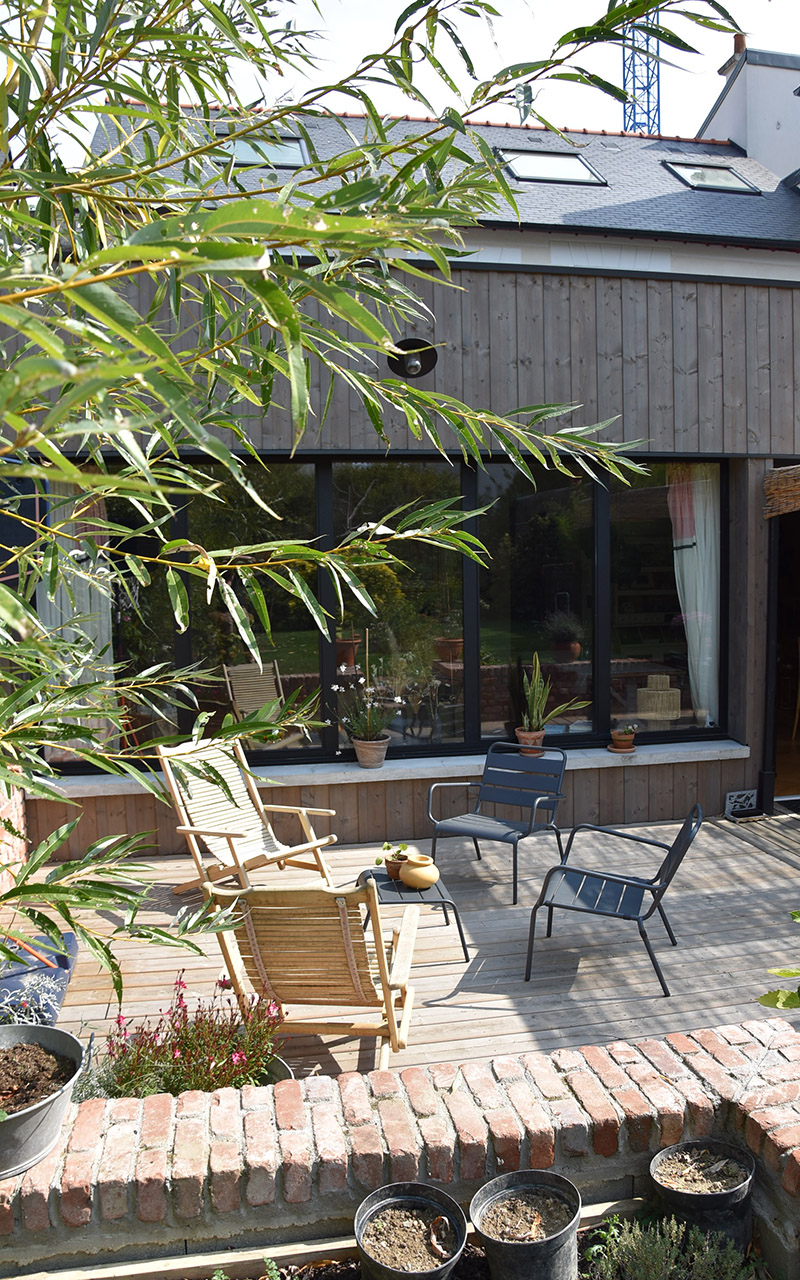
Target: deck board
pixel 592 981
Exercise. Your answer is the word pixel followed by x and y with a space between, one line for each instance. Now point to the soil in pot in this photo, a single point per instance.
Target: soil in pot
pixel 701 1171
pixel 410 1238
pixel 29 1073
pixel 525 1216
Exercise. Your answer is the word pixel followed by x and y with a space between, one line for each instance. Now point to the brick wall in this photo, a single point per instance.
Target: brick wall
pixel 13 843
pixel 229 1169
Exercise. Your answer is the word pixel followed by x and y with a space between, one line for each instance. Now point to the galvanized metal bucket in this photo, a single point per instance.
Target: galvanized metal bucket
pixel 27 1136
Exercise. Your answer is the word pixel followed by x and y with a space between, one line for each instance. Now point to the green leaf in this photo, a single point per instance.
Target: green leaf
pixel 178 598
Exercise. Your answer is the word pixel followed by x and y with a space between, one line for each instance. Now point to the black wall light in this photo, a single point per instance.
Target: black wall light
pixel 418 358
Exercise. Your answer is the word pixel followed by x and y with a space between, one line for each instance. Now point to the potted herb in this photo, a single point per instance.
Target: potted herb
pixel 565 635
pixel 622 738
pixel 535 716
pixel 394 857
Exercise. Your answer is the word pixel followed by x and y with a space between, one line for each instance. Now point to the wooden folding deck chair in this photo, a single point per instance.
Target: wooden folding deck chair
pixel 219 808
pixel 250 687
pixel 308 946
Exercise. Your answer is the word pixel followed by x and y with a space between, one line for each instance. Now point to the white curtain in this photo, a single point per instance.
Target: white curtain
pixel 693 498
pixel 91 602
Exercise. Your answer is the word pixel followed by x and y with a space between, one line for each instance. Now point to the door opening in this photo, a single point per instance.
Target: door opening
pixel 787 685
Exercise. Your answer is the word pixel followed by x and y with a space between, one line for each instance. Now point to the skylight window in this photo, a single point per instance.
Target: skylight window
pixel 283 153
pixel 551 166
pixel 711 177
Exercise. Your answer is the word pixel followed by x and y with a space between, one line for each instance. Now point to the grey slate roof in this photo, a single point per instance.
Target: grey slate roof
pixel 642 197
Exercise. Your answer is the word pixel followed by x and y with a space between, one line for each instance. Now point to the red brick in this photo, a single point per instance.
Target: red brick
pixel 421 1093
pixel 355 1099
pixel 260 1158
pixel 76 1188
pixel 482 1085
pixel 224 1116
pixel 440 1143
pixel 401 1140
pixel 319 1088
pixel 535 1120
pixel 115 1171
pixel 785 1033
pixel 547 1080
pixel 331 1148
pixel 701 1108
pixel 225 1169
pixel 257 1097
pixel 604 1067
pixel 505 1133
pixel 791 1175
pixel 603 1114
pixel 621 1051
pixel 87 1130
pixel 735 1034
pixel 791 1052
pixel 759 1030
pixel 290 1109
pixel 508 1069
pixel 384 1084
pixel 189 1163
pixel 712 1074
pixel 662 1058
pixel 471 1134
pixel 777 1143
pixel 667 1101
pixel 638 1117
pixel 8 1190
pixel 572 1125
pixel 35 1190
pixel 567 1059
pixel 124 1110
pixel 295 1148
pixel 789 1091
pixel 151 1186
pixel 443 1075
pixel 682 1044
pixel 157 1120
pixel 367 1147
pixel 722 1052
pixel 780 1072
pixel 192 1102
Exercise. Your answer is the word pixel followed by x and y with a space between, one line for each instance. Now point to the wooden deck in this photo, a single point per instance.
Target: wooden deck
pixel 592 981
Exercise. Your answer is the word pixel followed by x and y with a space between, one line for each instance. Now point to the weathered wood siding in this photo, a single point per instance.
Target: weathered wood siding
pixel 378 810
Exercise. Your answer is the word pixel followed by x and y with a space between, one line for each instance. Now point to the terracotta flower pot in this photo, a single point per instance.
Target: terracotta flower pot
pixel 449 648
pixel 393 866
pixel 371 755
pixel 531 740
pixel 346 651
pixel 622 741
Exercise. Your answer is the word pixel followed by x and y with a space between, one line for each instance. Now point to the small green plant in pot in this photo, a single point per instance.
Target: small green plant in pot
pixel 535 716
pixel 394 855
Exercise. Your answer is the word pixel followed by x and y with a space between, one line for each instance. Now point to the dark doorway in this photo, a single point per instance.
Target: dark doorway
pixel 787 686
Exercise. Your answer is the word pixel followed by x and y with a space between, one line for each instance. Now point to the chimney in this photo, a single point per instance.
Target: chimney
pixel 739 50
pixel 739 44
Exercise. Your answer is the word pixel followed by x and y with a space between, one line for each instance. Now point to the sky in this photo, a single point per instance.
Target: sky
pixel 527 29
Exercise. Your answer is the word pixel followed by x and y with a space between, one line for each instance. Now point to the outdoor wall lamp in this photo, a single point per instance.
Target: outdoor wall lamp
pixel 418 358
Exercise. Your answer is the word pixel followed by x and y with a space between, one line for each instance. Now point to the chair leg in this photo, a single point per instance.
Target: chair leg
pixel 514 876
pixel 531 933
pixel 433 846
pixel 667 925
pixel 560 843
pixel 652 955
pixel 549 922
pixel 477 848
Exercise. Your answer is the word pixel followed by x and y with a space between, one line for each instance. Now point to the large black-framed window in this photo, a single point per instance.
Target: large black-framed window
pixel 617 588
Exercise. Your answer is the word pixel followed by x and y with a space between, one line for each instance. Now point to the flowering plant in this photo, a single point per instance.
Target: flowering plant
pixel 626 728
pixel 363 712
pixel 216 1047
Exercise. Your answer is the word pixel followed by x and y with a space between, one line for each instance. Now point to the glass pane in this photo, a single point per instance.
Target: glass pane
pixel 665 591
pixel 549 166
pixel 536 594
pixel 416 641
pixel 712 177
pixel 291 662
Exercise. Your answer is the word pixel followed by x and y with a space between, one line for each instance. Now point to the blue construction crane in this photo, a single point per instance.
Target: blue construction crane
pixel 641 80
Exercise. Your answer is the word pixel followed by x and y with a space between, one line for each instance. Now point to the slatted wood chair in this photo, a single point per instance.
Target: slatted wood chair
pixel 526 784
pixel 250 688
pixel 618 897
pixel 221 812
pixel 308 946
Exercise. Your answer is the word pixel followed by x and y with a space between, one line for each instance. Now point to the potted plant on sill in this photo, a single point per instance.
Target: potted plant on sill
pixel 365 716
pixel 565 635
pixel 623 738
pixel 535 716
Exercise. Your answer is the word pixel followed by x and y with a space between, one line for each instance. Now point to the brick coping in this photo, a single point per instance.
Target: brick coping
pixel 134 1178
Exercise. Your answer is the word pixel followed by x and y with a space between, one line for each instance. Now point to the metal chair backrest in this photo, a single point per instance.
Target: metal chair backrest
pixel 249 688
pixel 307 945
pixel 194 772
pixel 511 778
pixel 678 850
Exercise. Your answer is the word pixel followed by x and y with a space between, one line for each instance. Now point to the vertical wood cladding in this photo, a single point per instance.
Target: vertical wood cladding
pixel 685 367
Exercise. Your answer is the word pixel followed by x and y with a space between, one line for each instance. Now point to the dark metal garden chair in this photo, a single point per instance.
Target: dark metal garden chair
pixel 531 783
pixel 616 896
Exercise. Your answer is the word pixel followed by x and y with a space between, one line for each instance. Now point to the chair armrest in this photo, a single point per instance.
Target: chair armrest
pixel 611 831
pixel 221 835
pixel 545 798
pixel 297 808
pixel 437 786
pixel 403 952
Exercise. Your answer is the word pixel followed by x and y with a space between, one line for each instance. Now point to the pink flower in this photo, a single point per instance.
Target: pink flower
pixel 180 985
pixel 238 1058
pixel 224 984
pixel 176 1053
pixel 120 1020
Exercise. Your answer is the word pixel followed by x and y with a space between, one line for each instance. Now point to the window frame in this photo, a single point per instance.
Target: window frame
pixel 595 179
pixel 749 188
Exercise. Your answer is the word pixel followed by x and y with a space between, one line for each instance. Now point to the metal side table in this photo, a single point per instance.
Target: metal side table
pixel 393 893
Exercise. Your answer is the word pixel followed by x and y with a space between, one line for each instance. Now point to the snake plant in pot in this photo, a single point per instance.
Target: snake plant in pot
pixel 535 716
